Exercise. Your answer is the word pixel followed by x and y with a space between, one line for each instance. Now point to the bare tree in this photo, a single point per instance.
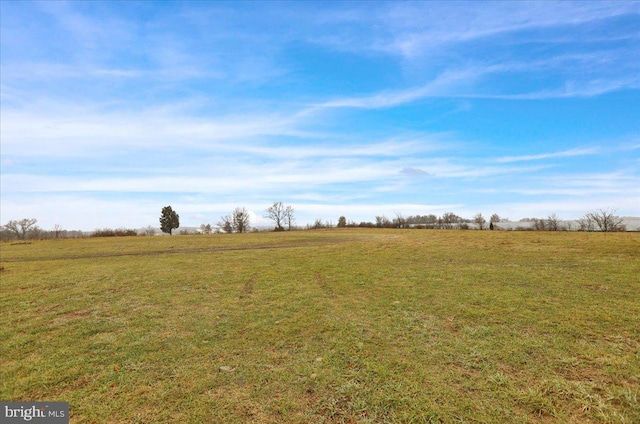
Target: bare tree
pixel 317 224
pixel 240 219
pixel 226 223
pixel 288 216
pixel 606 220
pixel 400 221
pixel 494 218
pixel 430 220
pixel 383 222
pixel 57 230
pixel 149 231
pixel 539 224
pixel 22 227
pixel 450 220
pixel 553 223
pixel 205 229
pixel 586 223
pixel 276 213
pixel 480 221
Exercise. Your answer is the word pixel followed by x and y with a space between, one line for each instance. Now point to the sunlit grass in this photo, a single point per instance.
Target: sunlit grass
pixel 327 326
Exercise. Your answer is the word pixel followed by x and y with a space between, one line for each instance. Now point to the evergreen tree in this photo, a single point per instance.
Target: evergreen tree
pixel 169 220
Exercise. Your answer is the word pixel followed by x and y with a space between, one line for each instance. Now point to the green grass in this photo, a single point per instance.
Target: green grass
pixel 326 326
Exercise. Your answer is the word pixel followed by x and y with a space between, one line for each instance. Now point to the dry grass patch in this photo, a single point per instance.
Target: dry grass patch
pixel 331 326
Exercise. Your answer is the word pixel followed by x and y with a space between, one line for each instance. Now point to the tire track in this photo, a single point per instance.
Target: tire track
pixel 327 290
pixel 247 289
pixel 166 252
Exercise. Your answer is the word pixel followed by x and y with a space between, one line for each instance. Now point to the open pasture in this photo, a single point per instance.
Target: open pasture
pixel 326 326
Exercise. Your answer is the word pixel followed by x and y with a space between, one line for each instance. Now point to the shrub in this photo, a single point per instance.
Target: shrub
pixel 118 232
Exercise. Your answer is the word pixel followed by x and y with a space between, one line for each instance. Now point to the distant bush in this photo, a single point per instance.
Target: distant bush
pixel 118 232
pixel 365 224
pixel 317 225
pixel 147 231
pixel 521 228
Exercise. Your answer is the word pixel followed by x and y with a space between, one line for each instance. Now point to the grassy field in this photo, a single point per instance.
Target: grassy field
pixel 326 326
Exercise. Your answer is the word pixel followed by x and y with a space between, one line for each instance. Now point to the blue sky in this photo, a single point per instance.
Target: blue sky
pixel 112 110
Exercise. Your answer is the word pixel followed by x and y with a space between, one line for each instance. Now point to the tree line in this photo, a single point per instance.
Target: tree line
pixel 238 221
pixel 604 220
pixel 27 228
pixel 283 218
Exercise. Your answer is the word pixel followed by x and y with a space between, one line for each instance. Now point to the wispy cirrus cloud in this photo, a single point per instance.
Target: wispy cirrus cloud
pixel 415 172
pixel 448 89
pixel 418 29
pixel 431 35
pixel 438 87
pixel 82 133
pixel 563 154
pixel 470 83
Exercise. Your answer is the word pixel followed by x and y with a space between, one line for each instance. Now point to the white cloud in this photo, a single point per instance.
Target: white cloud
pixel 415 172
pixel 81 212
pixel 419 28
pixel 75 132
pixel 564 154
pixel 439 87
